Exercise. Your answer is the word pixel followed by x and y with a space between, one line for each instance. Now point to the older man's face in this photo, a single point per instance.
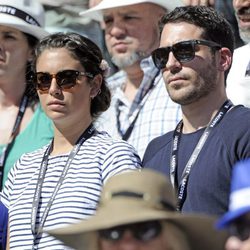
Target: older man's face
pixel 242 12
pixel 131 32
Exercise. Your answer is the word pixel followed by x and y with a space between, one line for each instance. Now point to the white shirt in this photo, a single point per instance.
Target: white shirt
pixel 238 85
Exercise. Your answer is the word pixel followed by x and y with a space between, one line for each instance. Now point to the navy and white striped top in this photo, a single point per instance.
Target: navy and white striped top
pixel 99 158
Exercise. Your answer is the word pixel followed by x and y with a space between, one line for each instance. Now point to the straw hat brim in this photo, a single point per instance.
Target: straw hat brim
pixel 199 230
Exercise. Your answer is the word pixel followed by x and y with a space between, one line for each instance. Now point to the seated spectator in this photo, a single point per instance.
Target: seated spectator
pixel 60 184
pixel 237 219
pixel 137 211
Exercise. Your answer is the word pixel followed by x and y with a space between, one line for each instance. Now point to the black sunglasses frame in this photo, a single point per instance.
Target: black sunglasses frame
pixel 240 229
pixel 160 55
pixel 143 231
pixel 65 79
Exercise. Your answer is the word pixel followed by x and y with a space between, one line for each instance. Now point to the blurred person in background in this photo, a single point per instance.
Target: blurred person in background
pixel 238 80
pixel 140 108
pixel 237 218
pixel 24 126
pixel 137 212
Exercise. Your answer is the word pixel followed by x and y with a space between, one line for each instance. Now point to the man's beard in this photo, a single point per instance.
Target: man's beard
pixel 245 35
pixel 128 60
pixel 244 31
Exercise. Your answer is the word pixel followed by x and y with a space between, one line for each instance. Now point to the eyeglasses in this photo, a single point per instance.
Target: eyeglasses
pixel 240 228
pixel 65 79
pixel 144 231
pixel 183 51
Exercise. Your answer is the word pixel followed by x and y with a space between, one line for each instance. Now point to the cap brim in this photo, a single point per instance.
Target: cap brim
pixel 230 216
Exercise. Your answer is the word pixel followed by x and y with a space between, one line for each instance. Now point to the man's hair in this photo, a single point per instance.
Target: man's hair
pixel 215 27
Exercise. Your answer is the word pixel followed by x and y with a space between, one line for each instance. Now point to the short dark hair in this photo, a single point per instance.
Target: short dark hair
pixel 216 28
pixel 90 57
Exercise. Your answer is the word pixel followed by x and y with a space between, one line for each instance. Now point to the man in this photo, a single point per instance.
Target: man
pixel 140 108
pixel 238 80
pixel 195 52
pixel 237 219
pixel 136 211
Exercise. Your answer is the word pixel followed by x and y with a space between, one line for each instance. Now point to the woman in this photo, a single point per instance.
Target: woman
pixel 24 127
pixel 61 183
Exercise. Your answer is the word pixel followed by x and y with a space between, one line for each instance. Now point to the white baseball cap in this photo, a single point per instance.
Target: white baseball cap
pixel 24 15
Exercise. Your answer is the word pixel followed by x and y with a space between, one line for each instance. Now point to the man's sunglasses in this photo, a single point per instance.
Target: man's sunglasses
pixel 65 79
pixel 183 51
pixel 240 228
pixel 144 231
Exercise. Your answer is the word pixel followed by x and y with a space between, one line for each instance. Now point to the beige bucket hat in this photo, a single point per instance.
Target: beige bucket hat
pixel 96 12
pixel 133 197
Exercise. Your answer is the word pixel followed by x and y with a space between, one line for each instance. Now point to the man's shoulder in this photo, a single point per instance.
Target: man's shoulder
pixel 157 145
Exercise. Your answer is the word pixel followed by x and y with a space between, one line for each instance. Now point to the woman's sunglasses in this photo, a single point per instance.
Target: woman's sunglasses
pixel 144 231
pixel 65 79
pixel 183 52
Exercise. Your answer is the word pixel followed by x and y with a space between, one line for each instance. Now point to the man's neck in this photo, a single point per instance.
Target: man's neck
pixel 197 115
pixel 133 81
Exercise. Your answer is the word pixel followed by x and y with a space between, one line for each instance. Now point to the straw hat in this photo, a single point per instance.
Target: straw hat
pixel 96 12
pixel 240 194
pixel 134 197
pixel 24 15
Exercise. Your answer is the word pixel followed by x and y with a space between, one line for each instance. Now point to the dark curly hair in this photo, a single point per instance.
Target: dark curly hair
pixel 90 57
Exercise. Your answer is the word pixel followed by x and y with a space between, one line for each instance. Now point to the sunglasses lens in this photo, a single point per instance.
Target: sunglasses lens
pixel 112 234
pixel 67 79
pixel 147 231
pixel 43 81
pixel 144 231
pixel 160 57
pixel 184 51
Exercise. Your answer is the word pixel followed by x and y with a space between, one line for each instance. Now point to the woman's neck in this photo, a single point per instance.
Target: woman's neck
pixel 66 137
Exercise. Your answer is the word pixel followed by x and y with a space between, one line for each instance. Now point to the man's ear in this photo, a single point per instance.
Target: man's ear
pixel 96 84
pixel 225 59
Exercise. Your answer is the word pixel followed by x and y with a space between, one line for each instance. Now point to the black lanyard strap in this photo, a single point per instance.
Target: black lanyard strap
pixel 182 188
pixel 7 147
pixel 134 117
pixel 37 195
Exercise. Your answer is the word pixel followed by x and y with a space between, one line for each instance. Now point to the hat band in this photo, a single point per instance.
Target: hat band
pixel 164 203
pixel 240 198
pixel 10 10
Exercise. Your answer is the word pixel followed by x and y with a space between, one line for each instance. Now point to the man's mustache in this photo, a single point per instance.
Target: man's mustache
pixel 243 11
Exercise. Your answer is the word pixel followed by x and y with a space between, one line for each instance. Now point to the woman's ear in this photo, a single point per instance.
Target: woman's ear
pixel 96 84
pixel 225 59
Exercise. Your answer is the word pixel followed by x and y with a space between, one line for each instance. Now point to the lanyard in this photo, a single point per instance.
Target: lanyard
pixel 135 115
pixel 37 195
pixel 182 188
pixel 6 149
